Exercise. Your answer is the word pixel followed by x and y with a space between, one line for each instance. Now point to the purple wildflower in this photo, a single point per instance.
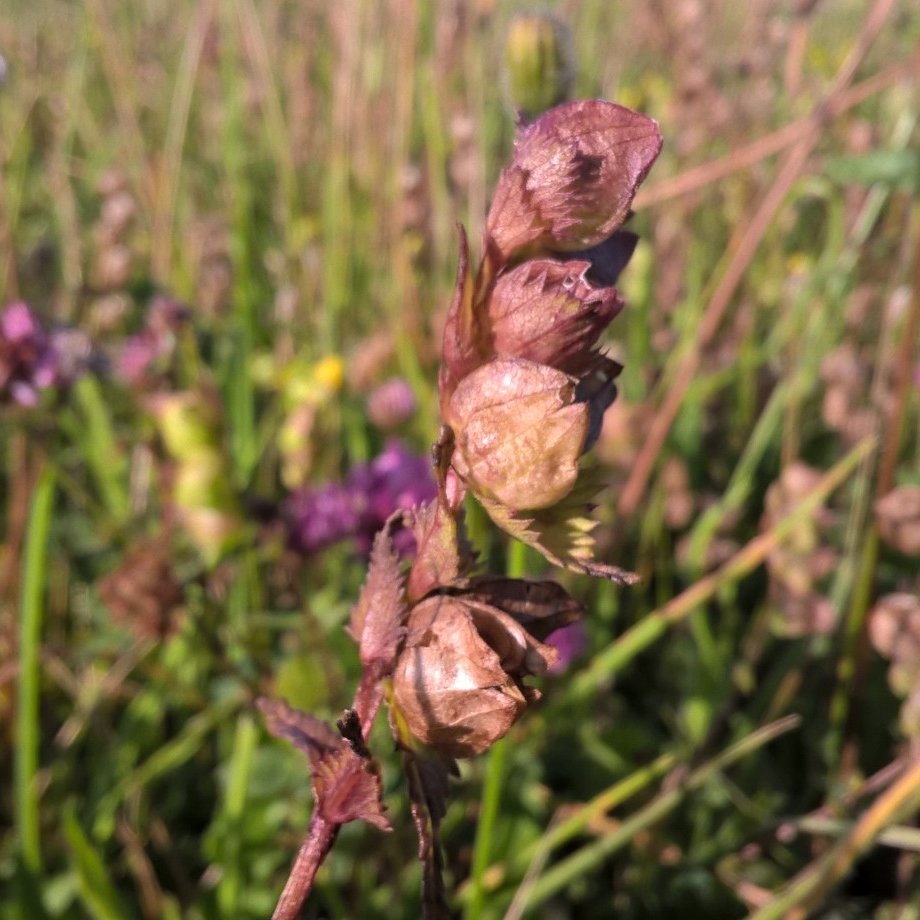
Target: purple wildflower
pixel 395 479
pixel 155 342
pixel 356 509
pixel 570 641
pixel 317 518
pixel 30 359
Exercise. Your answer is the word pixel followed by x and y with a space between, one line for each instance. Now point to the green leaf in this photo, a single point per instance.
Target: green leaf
pixel 895 168
pixel 97 892
pixel 562 533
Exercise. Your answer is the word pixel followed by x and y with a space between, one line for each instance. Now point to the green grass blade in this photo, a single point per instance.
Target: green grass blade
pixel 494 781
pixel 655 624
pixel 97 892
pixel 104 456
pixel 590 856
pixel 28 730
pixel 234 805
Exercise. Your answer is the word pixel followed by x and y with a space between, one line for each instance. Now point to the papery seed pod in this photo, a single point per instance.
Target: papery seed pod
pixel 391 404
pixel 894 625
pixel 519 432
pixel 798 565
pixel 894 628
pixel 898 516
pixel 112 268
pixel 143 593
pixel 538 63
pixel 458 678
pixel 572 179
pixel 548 312
pixel 118 212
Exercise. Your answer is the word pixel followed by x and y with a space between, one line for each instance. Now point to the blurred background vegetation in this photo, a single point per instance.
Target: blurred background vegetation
pixel 234 226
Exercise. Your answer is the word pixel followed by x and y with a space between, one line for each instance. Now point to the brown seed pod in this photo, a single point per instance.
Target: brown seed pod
pixel 519 432
pixel 458 679
pixel 572 179
pixel 898 516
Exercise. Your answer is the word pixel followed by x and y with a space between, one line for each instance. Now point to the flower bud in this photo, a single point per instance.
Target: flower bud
pixel 519 432
pixel 538 63
pixel 458 679
pixel 894 628
pixel 28 360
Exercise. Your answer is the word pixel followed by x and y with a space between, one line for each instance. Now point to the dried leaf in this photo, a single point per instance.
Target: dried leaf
pixel 347 788
pixel 428 773
pixel 443 554
pixel 377 625
pixel 541 607
pixel 346 780
pixel 573 177
pixel 307 733
pixel 377 620
pixel 465 343
pixel 597 389
pixel 438 561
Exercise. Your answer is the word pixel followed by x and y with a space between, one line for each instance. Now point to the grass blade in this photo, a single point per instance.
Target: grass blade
pixel 28 730
pixel 590 856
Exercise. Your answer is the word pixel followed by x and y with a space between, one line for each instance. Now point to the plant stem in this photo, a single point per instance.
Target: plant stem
pixel 738 260
pixel 310 857
pixel 651 627
pixel 806 891
pixel 593 853
pixel 494 779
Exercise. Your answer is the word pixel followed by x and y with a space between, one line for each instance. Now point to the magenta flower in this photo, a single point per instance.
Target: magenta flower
pixel 396 479
pixel 155 343
pixel 570 642
pixel 317 518
pixel 32 360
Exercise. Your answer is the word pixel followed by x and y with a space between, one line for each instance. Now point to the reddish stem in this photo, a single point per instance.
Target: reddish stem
pixel 743 251
pixel 310 857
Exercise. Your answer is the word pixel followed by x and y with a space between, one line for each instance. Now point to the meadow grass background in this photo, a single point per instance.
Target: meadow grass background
pixel 297 170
